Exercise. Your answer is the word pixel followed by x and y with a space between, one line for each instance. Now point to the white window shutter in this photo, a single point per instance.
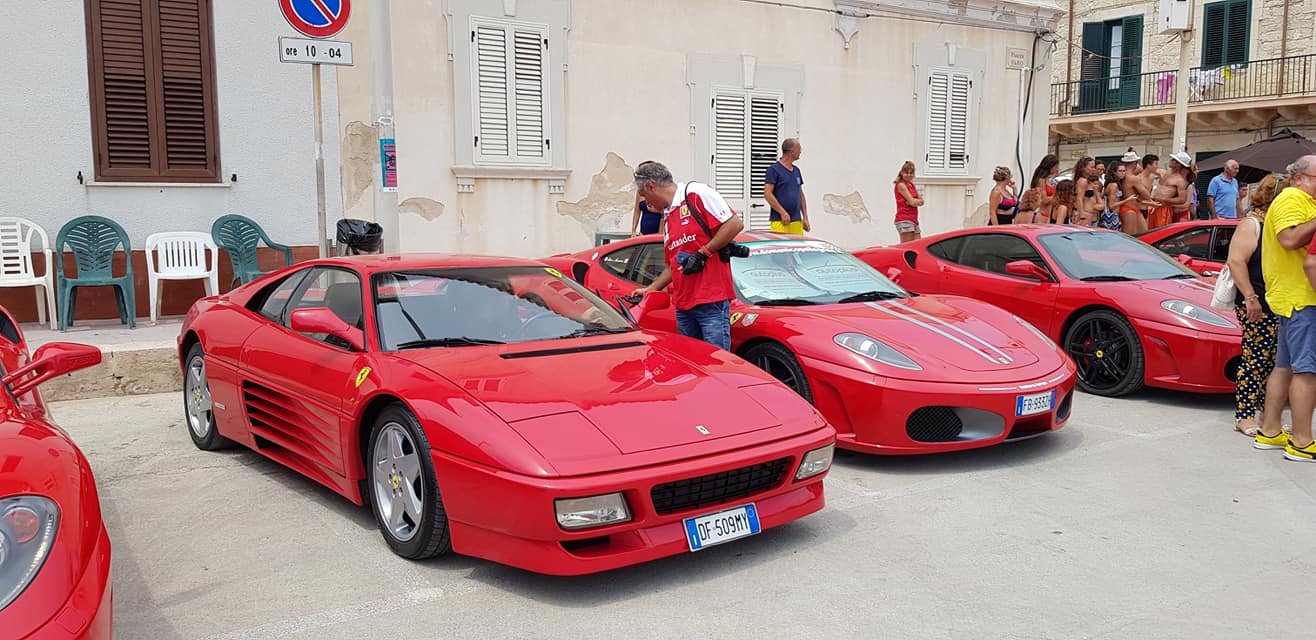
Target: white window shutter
pixel 764 138
pixel 957 124
pixel 530 61
pixel 729 144
pixel 938 115
pixel 492 104
pixel 511 93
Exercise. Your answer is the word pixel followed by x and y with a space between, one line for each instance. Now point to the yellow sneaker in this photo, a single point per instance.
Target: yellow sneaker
pixel 1305 454
pixel 1264 441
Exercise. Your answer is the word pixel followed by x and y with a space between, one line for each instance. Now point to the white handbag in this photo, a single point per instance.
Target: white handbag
pixel 1225 291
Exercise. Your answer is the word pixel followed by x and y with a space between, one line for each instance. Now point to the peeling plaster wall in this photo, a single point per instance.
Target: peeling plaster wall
pixel 857 121
pixel 264 116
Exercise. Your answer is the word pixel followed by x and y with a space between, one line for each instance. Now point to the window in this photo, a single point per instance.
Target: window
pixel 508 61
pixel 1220 244
pixel 618 263
pixel 152 90
pixel 1111 67
pixel 949 84
pixel 1226 32
pixel 650 265
pixel 639 263
pixel 1194 242
pixel 271 302
pixel 746 137
pixel 948 121
pixel 337 289
pixel 510 66
pixel 992 251
pixel 948 249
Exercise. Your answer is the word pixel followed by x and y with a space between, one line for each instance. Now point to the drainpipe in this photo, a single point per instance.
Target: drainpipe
pixel 1283 45
pixel 381 114
pixel 1069 59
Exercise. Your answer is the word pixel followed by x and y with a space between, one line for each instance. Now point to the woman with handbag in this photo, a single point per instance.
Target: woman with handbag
pixel 1259 324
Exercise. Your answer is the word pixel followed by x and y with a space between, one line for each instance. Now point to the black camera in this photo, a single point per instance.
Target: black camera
pixel 732 250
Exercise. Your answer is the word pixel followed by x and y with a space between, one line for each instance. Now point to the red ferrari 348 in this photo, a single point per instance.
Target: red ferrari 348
pixel 54 550
pixel 1129 315
pixel 495 408
pixel 895 373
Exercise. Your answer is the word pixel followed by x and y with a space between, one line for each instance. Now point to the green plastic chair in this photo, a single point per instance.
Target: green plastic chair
pixel 239 236
pixel 93 241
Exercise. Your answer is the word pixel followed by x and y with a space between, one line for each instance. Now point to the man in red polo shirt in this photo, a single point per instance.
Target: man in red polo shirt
pixel 700 279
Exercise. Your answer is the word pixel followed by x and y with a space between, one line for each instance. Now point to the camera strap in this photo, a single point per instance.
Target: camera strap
pixel 698 215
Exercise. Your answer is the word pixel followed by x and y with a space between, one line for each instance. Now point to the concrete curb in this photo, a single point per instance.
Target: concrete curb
pixel 123 371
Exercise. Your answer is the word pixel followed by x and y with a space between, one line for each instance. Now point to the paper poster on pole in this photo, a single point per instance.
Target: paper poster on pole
pixel 388 163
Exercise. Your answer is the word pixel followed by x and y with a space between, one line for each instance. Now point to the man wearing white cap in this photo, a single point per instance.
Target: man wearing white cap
pixel 1172 194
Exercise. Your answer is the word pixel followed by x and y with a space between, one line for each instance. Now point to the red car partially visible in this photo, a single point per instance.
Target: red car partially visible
pixel 1127 314
pixel 492 407
pixel 1203 245
pixel 54 550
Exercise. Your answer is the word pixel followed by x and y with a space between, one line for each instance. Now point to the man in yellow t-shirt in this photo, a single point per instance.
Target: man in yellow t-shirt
pixel 1285 240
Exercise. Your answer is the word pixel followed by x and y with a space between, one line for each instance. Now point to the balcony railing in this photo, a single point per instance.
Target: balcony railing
pixel 1254 79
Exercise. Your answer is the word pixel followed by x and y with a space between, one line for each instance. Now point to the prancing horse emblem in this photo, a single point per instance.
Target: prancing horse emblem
pixel 702 429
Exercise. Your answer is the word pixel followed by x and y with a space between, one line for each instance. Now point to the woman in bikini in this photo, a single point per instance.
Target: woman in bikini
pixel 1087 187
pixel 1036 205
pixel 1112 217
pixel 1002 204
pixel 1065 203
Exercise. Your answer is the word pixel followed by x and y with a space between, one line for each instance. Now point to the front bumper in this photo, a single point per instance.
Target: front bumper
pixel 873 414
pixel 1186 360
pixel 509 518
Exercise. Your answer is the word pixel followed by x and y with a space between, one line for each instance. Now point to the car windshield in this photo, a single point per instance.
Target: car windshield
pixel 472 306
pixel 1103 255
pixel 806 272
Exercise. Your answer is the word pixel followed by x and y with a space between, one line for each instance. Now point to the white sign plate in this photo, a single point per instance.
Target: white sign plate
pixel 1016 58
pixel 309 51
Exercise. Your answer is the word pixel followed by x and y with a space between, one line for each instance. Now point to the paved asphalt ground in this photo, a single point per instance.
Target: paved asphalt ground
pixel 1143 518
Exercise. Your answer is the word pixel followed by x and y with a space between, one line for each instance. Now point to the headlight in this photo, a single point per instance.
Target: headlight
pixel 1200 314
pixel 594 511
pixel 815 462
pixel 1037 332
pixel 27 530
pixel 874 349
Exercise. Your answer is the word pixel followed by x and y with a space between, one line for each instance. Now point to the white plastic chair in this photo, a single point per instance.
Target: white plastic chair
pixel 16 269
pixel 180 255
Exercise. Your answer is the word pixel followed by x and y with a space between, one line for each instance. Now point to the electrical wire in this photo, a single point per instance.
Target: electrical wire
pixel 867 13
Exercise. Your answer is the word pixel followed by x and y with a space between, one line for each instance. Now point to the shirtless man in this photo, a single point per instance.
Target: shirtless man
pixel 1173 194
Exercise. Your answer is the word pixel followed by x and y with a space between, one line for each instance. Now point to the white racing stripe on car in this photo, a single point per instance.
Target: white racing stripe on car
pixel 1004 359
pixel 986 356
pixel 1024 387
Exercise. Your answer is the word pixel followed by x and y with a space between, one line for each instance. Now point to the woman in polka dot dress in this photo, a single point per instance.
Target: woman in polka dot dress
pixel 1259 324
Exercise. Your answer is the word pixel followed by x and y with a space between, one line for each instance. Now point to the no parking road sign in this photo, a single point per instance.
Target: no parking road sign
pixel 317 18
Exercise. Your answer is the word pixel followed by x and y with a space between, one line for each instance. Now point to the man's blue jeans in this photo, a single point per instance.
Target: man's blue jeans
pixel 710 322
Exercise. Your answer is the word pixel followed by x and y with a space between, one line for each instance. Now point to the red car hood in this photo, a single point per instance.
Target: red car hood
pixel 639 397
pixel 948 331
pixel 1194 290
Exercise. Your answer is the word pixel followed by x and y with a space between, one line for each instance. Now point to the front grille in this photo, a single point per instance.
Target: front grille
pixel 934 424
pixel 717 488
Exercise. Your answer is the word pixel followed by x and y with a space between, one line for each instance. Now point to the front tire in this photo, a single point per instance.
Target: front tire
pixel 781 364
pixel 403 489
pixel 198 407
pixel 1107 352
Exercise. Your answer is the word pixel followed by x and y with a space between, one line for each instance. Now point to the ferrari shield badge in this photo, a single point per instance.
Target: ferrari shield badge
pixel 362 375
pixel 735 317
pixel 702 429
pixel 553 272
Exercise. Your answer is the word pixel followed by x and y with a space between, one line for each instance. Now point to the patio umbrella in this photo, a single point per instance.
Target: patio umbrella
pixel 1256 160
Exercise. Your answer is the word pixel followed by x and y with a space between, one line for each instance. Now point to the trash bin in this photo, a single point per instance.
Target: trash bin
pixel 359 236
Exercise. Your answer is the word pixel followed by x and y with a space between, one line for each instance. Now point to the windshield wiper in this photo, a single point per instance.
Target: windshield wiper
pixel 1107 278
pixel 595 331
pixel 869 296
pixel 1180 276
pixel 454 341
pixel 785 302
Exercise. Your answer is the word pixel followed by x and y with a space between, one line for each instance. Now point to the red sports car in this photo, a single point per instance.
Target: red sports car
pixel 1128 314
pixel 495 408
pixel 1203 245
pixel 54 550
pixel 893 372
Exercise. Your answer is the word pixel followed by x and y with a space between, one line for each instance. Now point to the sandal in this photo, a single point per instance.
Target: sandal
pixel 1251 431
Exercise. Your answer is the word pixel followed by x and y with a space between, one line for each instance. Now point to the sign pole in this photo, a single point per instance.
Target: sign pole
pixel 320 208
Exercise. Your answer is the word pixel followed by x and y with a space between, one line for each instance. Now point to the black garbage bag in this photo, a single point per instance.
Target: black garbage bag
pixel 360 236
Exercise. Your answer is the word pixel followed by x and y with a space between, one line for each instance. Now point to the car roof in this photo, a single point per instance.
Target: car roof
pixel 397 262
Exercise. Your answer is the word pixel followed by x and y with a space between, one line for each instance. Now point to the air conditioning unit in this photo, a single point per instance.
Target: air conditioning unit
pixel 1175 16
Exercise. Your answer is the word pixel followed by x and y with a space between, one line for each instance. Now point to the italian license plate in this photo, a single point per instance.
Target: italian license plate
pixel 723 526
pixel 1035 403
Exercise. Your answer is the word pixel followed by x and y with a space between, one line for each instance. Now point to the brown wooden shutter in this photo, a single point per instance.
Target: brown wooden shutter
pixel 152 90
